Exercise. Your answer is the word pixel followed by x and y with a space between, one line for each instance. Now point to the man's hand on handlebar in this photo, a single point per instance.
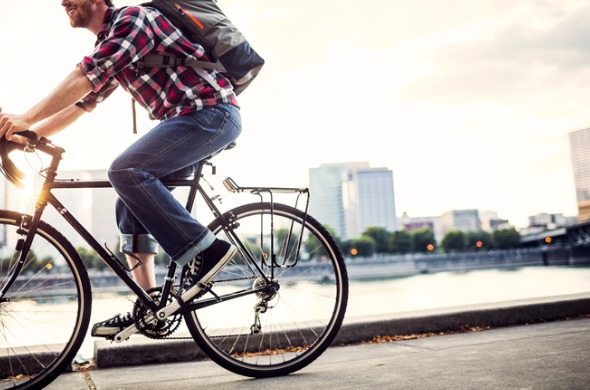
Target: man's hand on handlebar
pixel 10 124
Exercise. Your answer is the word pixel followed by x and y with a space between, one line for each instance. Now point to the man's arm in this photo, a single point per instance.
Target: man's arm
pixel 74 87
pixel 59 121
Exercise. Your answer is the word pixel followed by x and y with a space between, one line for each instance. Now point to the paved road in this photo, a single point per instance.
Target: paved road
pixel 552 355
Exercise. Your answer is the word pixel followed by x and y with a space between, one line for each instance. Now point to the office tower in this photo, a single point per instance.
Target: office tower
pixel 580 154
pixel 350 197
pixel 368 200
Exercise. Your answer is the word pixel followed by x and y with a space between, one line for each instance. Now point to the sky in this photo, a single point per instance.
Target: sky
pixel 468 102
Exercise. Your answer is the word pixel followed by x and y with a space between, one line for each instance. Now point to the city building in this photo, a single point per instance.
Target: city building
pixel 580 154
pixel 368 200
pixel 550 220
pixel 463 220
pixel 490 221
pixel 407 223
pixel 350 197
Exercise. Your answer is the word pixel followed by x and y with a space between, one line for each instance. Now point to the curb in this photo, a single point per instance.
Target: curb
pixel 145 351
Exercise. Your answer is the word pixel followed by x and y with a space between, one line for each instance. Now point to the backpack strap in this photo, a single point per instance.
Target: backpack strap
pixel 163 61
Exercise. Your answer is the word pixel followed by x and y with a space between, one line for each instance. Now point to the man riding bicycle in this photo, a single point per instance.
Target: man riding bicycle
pixel 196 120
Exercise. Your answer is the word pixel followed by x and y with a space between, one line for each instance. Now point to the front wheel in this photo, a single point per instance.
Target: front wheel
pixel 44 314
pixel 275 324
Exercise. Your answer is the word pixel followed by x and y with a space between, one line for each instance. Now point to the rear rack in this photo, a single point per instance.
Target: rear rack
pixel 287 262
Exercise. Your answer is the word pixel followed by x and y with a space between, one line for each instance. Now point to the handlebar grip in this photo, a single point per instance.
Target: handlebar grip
pixel 12 173
pixel 30 135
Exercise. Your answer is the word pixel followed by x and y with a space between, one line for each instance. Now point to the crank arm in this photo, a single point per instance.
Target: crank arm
pixel 125 334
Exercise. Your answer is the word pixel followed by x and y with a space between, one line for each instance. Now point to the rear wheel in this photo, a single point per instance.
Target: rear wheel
pixel 44 315
pixel 296 310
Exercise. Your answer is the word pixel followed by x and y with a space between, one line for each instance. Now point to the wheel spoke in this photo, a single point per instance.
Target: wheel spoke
pixel 293 317
pixel 45 314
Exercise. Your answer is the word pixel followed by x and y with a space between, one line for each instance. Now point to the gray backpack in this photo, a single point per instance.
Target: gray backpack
pixel 201 21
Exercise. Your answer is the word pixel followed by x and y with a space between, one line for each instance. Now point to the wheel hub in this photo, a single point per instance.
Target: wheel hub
pixel 268 288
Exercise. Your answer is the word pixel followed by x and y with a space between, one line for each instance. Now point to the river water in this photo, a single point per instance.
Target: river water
pixel 396 296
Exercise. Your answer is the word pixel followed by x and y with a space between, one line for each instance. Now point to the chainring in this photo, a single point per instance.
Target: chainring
pixel 150 326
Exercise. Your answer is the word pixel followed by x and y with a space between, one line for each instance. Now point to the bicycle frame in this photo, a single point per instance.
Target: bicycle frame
pixel 46 196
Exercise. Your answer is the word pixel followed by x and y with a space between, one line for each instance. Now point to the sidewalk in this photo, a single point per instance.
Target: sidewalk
pixel 551 355
pixel 139 350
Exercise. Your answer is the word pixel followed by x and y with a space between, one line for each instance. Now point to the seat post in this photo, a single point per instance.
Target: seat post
pixel 194 186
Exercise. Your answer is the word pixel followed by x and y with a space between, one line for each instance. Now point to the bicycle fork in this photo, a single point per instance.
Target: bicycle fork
pixel 28 229
pixel 29 226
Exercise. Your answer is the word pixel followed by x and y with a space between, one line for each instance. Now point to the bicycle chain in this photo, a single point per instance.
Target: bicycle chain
pixel 168 337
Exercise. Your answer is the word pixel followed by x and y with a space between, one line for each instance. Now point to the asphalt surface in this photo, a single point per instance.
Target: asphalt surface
pixel 551 355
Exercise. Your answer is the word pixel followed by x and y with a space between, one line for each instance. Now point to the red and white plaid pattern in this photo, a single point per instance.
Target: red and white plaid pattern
pixel 128 34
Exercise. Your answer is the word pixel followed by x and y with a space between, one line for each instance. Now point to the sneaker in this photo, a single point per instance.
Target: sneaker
pixel 206 265
pixel 112 326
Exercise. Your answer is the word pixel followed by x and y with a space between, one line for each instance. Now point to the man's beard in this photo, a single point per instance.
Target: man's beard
pixel 82 15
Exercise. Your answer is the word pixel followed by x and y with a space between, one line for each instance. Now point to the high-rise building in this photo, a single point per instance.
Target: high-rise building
pixel 350 197
pixel 580 153
pixel 368 200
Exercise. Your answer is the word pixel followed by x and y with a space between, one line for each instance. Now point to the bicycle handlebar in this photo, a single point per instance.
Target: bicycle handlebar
pixel 8 168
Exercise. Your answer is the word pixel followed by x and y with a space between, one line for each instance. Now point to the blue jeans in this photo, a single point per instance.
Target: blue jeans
pixel 146 211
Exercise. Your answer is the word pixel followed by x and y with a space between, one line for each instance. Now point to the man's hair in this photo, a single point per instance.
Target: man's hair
pixel 109 3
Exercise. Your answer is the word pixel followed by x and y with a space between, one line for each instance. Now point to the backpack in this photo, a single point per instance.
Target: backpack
pixel 203 22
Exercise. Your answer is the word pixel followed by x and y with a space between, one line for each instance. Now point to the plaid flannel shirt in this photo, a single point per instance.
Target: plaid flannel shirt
pixel 128 34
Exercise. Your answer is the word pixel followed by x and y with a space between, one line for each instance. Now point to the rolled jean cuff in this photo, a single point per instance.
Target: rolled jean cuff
pixel 138 243
pixel 194 250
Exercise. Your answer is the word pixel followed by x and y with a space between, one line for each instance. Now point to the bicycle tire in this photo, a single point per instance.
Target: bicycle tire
pixel 299 321
pixel 34 348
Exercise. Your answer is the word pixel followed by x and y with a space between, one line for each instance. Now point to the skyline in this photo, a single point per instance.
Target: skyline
pixel 469 104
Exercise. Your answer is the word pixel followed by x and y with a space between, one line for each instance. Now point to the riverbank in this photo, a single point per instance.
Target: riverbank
pixel 397 266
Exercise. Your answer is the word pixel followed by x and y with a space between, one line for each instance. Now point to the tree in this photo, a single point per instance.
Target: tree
pixel 454 241
pixel 381 237
pixel 400 242
pixel 33 263
pixel 423 240
pixel 479 240
pixel 506 238
pixel 334 236
pixel 363 246
pixel 90 258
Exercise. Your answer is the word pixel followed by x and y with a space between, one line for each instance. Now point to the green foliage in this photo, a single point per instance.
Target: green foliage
pixel 33 263
pixel 454 241
pixel 400 242
pixel 162 259
pixel 363 246
pixel 381 237
pixel 90 258
pixel 506 238
pixel 332 232
pixel 479 240
pixel 421 240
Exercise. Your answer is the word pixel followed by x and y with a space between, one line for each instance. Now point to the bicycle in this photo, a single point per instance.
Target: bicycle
pixel 272 310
